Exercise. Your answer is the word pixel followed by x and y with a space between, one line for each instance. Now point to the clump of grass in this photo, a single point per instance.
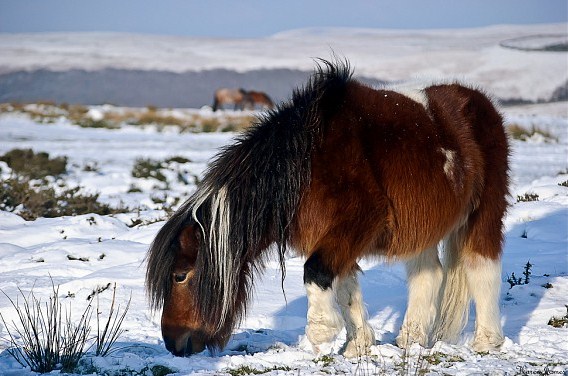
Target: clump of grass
pixel 518 132
pixel 527 197
pixel 153 117
pixel 178 159
pixel 516 281
pixel 88 122
pixel 155 169
pixel 564 183
pixel 46 337
pixel 210 125
pixel 33 165
pixel 91 167
pixel 145 168
pixel 19 196
pixel 160 370
pixel 247 370
pixel 325 360
pixel 559 322
pixel 439 357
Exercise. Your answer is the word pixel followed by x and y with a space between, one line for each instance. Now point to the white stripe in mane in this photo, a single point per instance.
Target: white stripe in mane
pixel 220 256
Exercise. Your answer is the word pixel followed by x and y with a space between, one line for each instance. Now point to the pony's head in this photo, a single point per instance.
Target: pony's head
pixel 184 328
pixel 178 281
pixel 195 278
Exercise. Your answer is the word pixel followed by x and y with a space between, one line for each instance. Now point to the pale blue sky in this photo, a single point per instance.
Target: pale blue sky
pixel 253 18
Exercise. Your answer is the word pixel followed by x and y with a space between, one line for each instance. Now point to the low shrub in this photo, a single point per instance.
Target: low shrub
pixel 33 165
pixel 45 337
pixel 527 197
pixel 19 196
pixel 518 132
pixel 516 281
pixel 145 168
pixel 559 322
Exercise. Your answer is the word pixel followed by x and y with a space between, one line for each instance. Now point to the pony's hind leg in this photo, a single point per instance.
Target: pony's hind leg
pixel 360 335
pixel 324 321
pixel 424 275
pixel 473 271
pixel 484 282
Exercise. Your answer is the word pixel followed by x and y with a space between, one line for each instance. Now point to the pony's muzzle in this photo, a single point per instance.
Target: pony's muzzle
pixel 184 345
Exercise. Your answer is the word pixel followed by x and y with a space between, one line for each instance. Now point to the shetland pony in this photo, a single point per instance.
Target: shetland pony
pixel 257 99
pixel 340 172
pixel 224 96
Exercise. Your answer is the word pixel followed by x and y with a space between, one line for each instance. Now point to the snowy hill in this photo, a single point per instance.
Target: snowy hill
pixel 169 64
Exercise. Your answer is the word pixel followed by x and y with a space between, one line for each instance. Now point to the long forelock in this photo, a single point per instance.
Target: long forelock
pixel 161 258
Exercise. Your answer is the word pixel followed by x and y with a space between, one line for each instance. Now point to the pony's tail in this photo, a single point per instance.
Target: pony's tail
pixel 455 297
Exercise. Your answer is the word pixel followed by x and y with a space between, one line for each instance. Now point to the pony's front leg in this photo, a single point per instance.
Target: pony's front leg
pixel 425 276
pixel 324 322
pixel 360 335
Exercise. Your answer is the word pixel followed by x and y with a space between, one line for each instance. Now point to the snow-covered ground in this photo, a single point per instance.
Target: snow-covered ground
pixel 272 334
pixel 271 338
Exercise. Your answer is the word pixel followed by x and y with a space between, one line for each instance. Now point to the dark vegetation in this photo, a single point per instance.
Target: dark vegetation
pixel 559 322
pixel 521 133
pixel 516 281
pixel 45 336
pixel 527 197
pixel 30 190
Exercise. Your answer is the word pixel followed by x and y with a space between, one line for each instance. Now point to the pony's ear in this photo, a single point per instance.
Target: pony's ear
pixel 189 239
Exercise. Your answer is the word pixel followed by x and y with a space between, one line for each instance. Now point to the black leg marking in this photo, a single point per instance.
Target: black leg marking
pixel 316 272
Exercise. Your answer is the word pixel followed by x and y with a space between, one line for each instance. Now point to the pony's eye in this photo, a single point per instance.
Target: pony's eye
pixel 180 277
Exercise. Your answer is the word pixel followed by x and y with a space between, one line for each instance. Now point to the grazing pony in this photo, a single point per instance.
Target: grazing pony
pixel 257 99
pixel 340 172
pixel 224 96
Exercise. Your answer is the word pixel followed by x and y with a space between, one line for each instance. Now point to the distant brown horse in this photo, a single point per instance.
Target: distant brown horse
pixel 257 99
pixel 224 96
pixel 340 172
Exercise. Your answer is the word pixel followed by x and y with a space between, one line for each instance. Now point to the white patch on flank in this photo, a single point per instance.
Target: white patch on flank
pixel 450 163
pixel 324 322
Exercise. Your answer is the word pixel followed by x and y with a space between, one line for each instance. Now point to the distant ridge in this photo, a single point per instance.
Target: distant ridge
pixel 139 88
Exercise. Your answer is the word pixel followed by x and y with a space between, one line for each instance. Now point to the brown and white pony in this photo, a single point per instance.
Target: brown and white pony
pixel 224 96
pixel 257 99
pixel 340 172
pixel 241 99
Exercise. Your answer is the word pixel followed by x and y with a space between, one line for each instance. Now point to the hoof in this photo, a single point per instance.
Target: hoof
pixel 486 341
pixel 410 334
pixel 322 330
pixel 359 346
